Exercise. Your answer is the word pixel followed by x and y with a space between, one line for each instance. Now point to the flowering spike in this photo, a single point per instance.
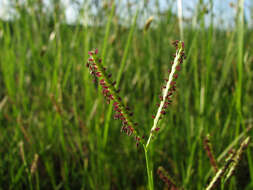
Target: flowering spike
pixel 167 179
pixel 209 151
pixel 170 88
pixel 97 70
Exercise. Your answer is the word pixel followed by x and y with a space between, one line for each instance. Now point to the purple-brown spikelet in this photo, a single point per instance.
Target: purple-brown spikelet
pixel 122 112
pixel 164 176
pixel 209 152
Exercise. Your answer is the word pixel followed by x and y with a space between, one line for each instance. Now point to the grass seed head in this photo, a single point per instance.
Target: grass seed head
pixel 111 94
pixel 168 90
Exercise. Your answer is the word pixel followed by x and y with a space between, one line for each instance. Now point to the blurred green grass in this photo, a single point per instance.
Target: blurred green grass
pixel 49 102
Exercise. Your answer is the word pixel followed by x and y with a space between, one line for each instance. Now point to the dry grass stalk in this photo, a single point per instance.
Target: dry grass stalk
pixel 3 102
pixel 34 164
pixel 21 151
pixel 148 23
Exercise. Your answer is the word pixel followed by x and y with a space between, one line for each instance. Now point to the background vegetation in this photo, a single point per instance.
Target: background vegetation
pixel 51 109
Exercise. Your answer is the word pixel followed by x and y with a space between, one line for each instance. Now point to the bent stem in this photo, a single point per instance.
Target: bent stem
pixel 149 169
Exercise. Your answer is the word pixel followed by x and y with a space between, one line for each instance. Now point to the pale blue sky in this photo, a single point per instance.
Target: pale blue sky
pixel 222 9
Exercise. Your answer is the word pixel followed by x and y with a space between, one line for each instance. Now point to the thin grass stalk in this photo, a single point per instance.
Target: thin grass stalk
pixel 23 157
pixel 240 28
pixel 209 68
pixel 104 51
pixel 149 170
pixel 209 151
pixel 107 31
pixel 119 75
pixel 108 26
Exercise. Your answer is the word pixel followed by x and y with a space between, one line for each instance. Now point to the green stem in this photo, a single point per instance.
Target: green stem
pixel 149 170
pixel 107 31
pixel 122 66
pixel 240 33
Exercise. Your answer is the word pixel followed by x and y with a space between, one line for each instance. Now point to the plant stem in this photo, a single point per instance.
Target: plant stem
pixel 122 66
pixel 240 25
pixel 149 170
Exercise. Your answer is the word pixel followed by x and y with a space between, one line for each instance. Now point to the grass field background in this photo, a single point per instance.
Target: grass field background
pixel 51 110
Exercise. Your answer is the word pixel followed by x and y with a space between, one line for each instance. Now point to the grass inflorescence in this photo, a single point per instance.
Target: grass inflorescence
pixel 123 113
pixel 169 88
pixel 109 91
